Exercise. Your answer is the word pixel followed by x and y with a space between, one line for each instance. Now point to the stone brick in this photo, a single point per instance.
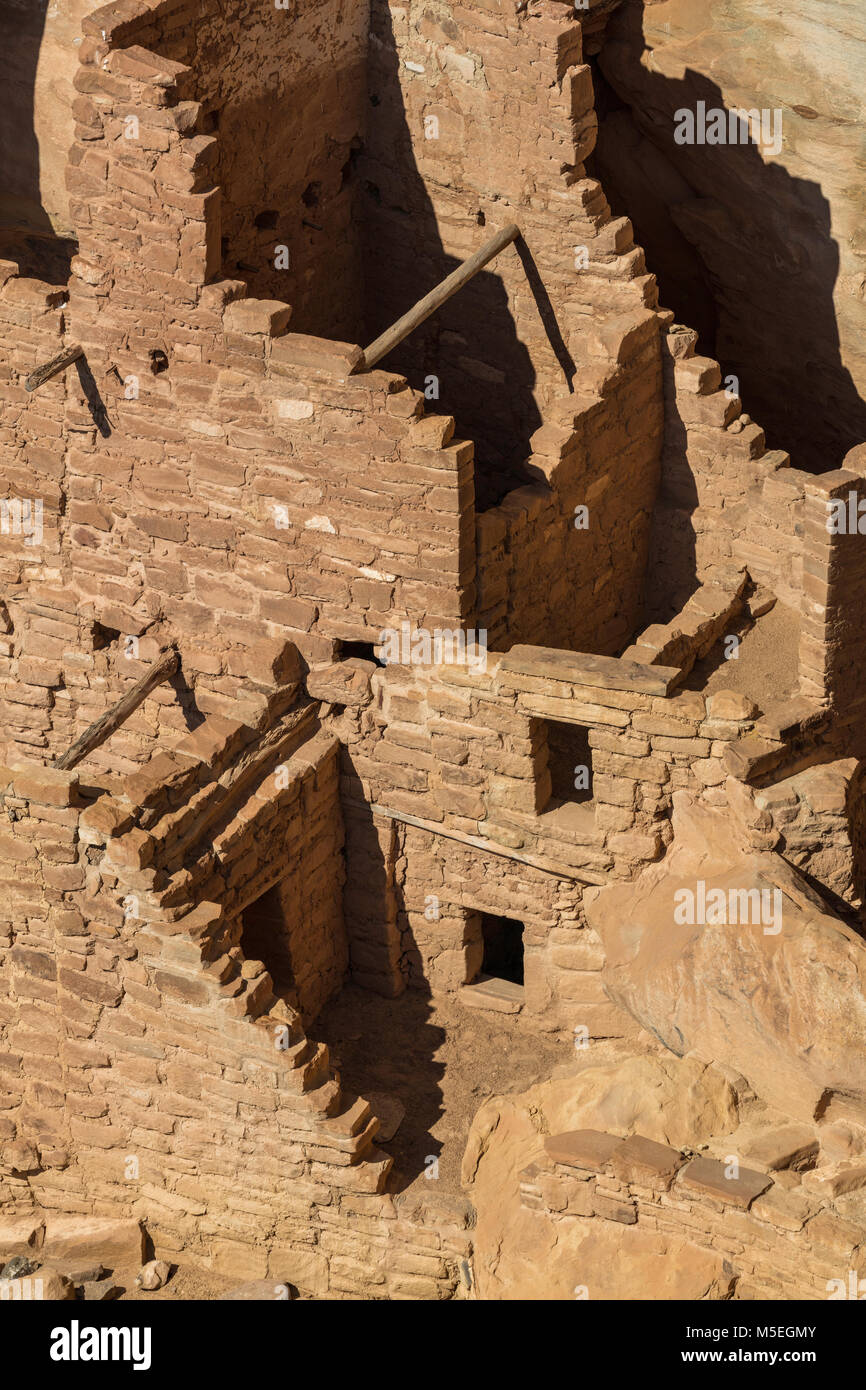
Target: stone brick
pixel 707 1175
pixel 583 1148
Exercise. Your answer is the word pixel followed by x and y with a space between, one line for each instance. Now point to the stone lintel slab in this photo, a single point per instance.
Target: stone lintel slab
pixel 582 668
pixel 583 1148
pixel 707 1176
pixel 646 1162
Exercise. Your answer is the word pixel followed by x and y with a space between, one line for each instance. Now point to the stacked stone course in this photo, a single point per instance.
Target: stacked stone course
pixel 224 476
pixel 773 1238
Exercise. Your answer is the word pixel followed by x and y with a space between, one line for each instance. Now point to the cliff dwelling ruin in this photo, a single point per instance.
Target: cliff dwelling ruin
pixel 432 834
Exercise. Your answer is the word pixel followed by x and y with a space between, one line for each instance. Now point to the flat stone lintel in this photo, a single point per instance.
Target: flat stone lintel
pixel 582 668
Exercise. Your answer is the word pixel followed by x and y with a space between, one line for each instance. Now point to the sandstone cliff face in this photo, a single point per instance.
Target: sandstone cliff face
pixel 781 999
pixel 40 45
pixel 765 256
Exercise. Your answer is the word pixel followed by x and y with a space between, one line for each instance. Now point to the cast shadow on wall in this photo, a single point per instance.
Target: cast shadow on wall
pixel 470 351
pixel 26 233
pixel 743 250
pixel 380 1033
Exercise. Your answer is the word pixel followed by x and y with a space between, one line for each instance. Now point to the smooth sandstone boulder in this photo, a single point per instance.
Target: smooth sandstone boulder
pixel 785 1007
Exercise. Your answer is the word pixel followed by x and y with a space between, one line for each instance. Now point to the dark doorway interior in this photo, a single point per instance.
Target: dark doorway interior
pixel 264 937
pixel 503 948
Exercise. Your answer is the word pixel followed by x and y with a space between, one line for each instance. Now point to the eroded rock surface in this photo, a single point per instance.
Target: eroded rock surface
pixel 781 1000
pixel 520 1253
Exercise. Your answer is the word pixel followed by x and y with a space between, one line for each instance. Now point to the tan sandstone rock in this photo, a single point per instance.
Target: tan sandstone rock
pixel 521 1253
pixel 782 1000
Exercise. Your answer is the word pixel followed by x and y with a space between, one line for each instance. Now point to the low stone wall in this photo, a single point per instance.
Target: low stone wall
pixel 772 1236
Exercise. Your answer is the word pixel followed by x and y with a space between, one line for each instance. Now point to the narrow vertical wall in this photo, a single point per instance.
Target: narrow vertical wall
pixel 52 974
pixel 833 620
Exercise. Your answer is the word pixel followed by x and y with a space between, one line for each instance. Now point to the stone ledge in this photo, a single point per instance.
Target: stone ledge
pixel 266 317
pixel 583 1148
pixel 646 1162
pixel 299 352
pixel 707 1177
pixel 582 668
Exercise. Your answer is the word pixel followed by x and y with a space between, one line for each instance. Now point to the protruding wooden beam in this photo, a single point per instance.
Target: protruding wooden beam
pixel 162 670
pixel 57 365
pixel 436 298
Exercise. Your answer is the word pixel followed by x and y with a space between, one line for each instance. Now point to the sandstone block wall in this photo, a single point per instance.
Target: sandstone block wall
pixel 832 624
pixel 818 815
pixel 285 89
pixel 227 1132
pixel 32 322
pixel 552 403
pixel 714 467
pixel 216 477
pixel 222 431
pixel 752 1235
pixel 448 797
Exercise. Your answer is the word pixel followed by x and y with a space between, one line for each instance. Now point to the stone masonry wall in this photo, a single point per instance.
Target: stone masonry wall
pixel 562 954
pixel 833 626
pixel 758 1235
pixel 249 430
pixel 286 90
pixel 213 480
pixel 467 752
pixel 716 476
pixel 447 792
pixel 149 1068
pixel 32 427
pixel 494 118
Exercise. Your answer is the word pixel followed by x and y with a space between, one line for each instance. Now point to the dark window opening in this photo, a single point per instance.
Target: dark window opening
pixel 348 170
pixel 362 651
pixel 267 221
pixel 158 361
pixel 311 195
pixel 103 636
pixel 569 761
pixel 503 948
pixel 264 937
